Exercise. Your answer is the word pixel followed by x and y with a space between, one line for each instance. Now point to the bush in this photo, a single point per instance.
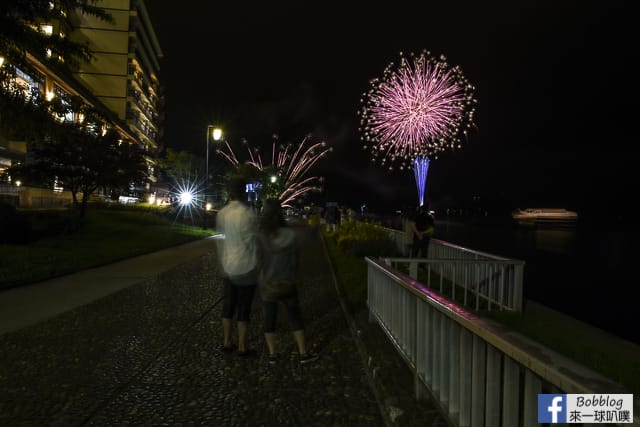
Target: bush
pixel 48 223
pixel 314 220
pixel 363 239
pixel 14 227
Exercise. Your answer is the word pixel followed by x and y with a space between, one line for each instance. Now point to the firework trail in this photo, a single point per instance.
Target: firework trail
pixel 419 108
pixel 420 171
pixel 291 163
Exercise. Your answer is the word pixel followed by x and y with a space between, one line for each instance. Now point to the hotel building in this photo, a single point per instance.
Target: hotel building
pixel 122 79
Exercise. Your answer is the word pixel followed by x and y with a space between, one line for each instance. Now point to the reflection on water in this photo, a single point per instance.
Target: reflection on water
pixel 583 271
pixel 561 241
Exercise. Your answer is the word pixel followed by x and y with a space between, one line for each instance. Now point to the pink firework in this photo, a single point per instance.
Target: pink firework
pixel 292 163
pixel 417 109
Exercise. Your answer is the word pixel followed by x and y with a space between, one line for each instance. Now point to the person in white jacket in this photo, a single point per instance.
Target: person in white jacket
pixel 239 257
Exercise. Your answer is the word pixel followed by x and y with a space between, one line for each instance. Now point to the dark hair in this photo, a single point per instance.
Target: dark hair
pixel 272 216
pixel 236 187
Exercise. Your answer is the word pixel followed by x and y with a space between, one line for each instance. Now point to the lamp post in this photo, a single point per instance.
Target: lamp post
pixel 216 134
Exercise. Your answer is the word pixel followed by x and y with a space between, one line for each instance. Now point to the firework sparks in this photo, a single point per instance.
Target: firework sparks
pixel 419 108
pixel 291 163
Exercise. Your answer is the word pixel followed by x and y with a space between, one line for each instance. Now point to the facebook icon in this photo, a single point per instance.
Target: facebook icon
pixel 552 408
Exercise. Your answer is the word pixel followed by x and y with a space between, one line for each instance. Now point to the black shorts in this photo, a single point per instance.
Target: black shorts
pixel 237 297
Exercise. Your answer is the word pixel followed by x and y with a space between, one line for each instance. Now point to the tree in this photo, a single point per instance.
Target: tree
pixel 82 157
pixel 180 166
pixel 130 168
pixel 245 172
pixel 20 33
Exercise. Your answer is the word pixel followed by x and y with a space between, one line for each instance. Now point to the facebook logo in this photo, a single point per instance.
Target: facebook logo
pixel 552 408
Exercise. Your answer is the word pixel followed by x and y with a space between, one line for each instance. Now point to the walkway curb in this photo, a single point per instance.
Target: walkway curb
pixel 26 305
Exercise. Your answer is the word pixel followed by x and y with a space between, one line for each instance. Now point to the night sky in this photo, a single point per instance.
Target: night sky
pixel 557 95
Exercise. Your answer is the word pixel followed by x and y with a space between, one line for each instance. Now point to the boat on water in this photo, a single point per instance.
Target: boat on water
pixel 544 216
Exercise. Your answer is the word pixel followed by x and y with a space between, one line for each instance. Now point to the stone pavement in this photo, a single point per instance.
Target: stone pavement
pixel 148 354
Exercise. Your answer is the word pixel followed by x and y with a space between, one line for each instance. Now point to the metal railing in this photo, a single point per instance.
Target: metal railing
pixel 480 284
pixel 481 373
pixel 473 278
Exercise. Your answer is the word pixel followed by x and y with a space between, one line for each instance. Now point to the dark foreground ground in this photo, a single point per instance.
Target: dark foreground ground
pixel 148 355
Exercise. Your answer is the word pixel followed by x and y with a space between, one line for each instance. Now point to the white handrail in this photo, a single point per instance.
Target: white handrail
pixel 481 373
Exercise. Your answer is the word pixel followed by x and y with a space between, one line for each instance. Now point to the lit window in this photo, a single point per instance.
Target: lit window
pixel 27 83
pixel 69 115
pixel 47 29
pixel 49 53
pixel 57 188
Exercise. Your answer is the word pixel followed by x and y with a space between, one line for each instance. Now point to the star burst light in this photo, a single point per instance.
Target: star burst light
pixel 189 193
pixel 292 164
pixel 419 108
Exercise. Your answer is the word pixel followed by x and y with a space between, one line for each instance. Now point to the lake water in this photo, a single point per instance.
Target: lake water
pixel 585 271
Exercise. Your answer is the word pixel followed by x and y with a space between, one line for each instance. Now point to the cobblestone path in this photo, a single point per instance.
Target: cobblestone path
pixel 148 355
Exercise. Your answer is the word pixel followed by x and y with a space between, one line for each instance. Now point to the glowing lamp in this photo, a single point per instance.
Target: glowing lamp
pixel 216 134
pixel 185 198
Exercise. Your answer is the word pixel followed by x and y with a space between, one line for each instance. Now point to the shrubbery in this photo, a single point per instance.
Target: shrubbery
pixel 14 227
pixel 314 220
pixel 54 222
pixel 348 245
pixel 363 239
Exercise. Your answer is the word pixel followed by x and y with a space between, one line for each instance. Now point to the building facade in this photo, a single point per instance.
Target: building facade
pixel 122 77
pixel 124 72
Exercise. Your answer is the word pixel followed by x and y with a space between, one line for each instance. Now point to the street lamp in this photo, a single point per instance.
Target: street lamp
pixel 214 133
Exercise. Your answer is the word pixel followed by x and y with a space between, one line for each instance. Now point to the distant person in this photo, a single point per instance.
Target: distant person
pixel 407 229
pixel 423 227
pixel 363 210
pixel 332 217
pixel 239 256
pixel 279 280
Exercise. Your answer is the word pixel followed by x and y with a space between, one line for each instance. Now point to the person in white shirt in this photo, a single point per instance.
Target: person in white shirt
pixel 239 257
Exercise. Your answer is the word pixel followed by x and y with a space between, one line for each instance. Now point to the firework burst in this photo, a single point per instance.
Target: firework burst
pixel 419 108
pixel 292 164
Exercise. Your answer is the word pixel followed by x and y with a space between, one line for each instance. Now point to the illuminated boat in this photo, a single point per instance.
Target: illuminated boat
pixel 540 216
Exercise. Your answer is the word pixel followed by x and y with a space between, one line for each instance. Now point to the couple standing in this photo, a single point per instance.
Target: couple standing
pixel 258 254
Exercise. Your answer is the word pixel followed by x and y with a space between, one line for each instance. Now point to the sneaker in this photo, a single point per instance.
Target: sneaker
pixel 248 353
pixel 273 359
pixel 308 358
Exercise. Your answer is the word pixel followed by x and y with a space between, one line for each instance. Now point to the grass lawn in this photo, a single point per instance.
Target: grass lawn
pixel 614 358
pixel 106 235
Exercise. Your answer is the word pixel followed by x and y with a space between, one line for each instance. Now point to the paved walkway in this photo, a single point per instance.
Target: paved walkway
pixel 136 343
